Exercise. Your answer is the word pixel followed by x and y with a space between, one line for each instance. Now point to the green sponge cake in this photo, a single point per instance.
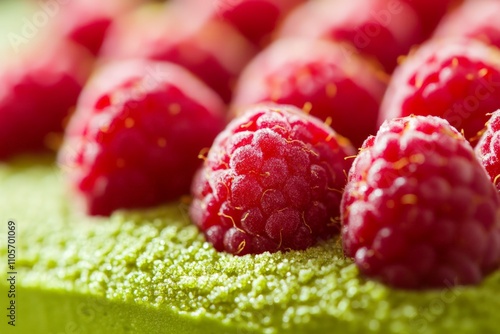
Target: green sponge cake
pixel 151 271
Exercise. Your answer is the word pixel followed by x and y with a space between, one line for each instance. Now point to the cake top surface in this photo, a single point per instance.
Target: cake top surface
pixel 157 258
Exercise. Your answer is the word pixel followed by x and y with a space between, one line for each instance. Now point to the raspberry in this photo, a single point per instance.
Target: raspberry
pixel 454 79
pixel 86 21
pixel 488 148
pixel 473 19
pixel 134 142
pixel 213 51
pixel 418 210
pixel 254 19
pixel 244 14
pixel 430 12
pixel 272 181
pixel 381 29
pixel 318 77
pixel 38 91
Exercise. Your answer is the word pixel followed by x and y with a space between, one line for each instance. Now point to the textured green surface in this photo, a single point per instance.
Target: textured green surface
pixel 151 272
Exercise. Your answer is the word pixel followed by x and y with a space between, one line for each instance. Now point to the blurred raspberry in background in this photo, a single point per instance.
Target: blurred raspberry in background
pixel 255 19
pixel 213 50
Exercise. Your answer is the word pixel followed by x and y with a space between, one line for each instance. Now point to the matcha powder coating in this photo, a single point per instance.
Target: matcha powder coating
pixel 152 272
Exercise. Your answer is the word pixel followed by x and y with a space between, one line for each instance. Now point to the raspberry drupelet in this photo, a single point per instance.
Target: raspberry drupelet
pixel 272 181
pixel 419 210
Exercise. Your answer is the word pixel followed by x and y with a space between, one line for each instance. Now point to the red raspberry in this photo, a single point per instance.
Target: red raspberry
pixel 473 19
pixel 430 12
pixel 418 210
pixel 213 51
pixel 38 91
pixel 255 19
pixel 488 149
pixel 319 77
pixel 272 181
pixel 86 21
pixel 380 29
pixel 136 143
pixel 457 80
pixel 243 14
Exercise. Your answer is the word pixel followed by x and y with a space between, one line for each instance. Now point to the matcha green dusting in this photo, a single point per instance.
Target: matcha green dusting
pixel 151 271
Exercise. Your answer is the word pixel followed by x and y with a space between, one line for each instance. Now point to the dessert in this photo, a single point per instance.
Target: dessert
pixel 151 271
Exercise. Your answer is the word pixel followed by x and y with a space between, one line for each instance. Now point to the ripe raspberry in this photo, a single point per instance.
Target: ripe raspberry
pixel 457 80
pixel 488 149
pixel 254 19
pixel 418 210
pixel 272 181
pixel 243 14
pixel 473 19
pixel 430 12
pixel 213 51
pixel 381 29
pixel 86 21
pixel 318 77
pixel 137 144
pixel 38 90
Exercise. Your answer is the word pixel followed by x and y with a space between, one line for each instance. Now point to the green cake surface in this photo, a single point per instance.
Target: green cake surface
pixel 151 271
